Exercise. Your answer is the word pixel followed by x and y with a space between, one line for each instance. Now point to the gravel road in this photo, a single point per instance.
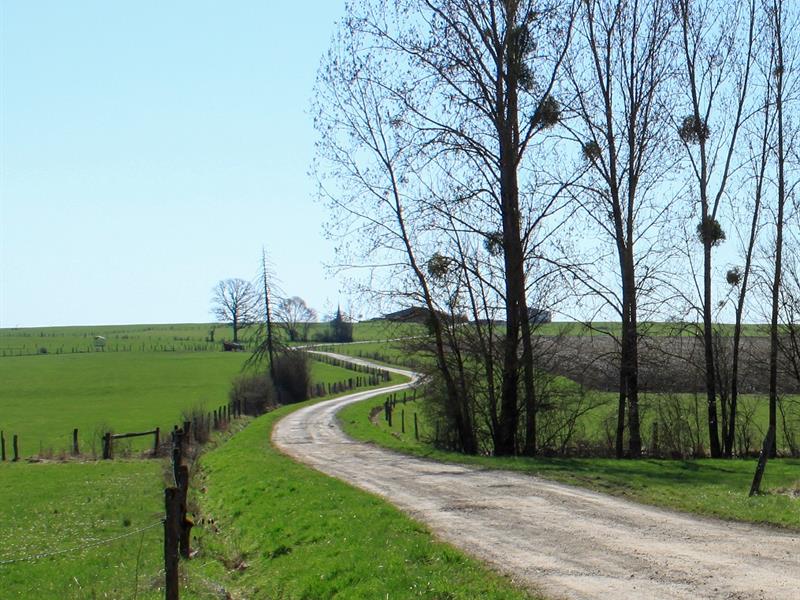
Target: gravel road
pixel 563 541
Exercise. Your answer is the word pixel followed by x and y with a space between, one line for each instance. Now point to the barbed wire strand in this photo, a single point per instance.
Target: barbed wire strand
pixel 78 548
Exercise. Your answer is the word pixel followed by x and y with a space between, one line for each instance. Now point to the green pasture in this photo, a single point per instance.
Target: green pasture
pixel 179 337
pixel 44 397
pixel 596 427
pixel 283 530
pixel 196 337
pixel 186 337
pixel 52 506
pixel 71 506
pixel 716 488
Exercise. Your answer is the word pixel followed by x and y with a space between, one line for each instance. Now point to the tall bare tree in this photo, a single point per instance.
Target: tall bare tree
pixel 783 22
pixel 235 301
pixel 435 94
pixel 620 71
pixel 717 43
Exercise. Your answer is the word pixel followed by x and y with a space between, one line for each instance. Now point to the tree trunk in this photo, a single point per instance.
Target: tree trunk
pixel 776 280
pixel 708 345
pixel 530 390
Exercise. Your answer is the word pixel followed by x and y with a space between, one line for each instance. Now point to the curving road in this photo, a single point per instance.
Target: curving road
pixel 563 541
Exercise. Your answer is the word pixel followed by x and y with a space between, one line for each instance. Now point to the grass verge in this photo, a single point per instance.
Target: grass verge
pixel 707 487
pixel 281 530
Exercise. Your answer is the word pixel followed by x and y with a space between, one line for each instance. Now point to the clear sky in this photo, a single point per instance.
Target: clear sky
pixel 149 149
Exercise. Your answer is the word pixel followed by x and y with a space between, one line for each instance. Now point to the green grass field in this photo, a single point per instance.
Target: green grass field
pixel 179 337
pixel 45 397
pixel 53 507
pixel 716 488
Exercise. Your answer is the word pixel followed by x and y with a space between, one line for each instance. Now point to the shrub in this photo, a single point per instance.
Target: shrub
pixel 292 374
pixel 255 392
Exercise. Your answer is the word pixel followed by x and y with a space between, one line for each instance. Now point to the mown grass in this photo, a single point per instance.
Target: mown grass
pixel 45 397
pixel 282 530
pixel 52 507
pixel 717 488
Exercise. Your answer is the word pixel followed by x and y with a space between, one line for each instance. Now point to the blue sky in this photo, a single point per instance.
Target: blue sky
pixel 149 149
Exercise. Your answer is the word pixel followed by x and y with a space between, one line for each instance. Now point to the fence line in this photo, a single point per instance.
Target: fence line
pixel 78 548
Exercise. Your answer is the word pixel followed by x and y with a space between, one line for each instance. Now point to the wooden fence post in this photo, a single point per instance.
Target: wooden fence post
pixel 156 441
pixel 75 449
pixel 171 540
pixel 2 446
pixel 177 457
pixel 416 428
pixel 107 446
pixel 182 481
pixel 187 432
pixel 403 420
pixel 654 441
pixel 16 447
pixel 762 461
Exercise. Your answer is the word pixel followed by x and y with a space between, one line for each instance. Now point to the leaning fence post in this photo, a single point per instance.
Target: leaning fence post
pixel 107 445
pixel 416 428
pixel 171 540
pixel 2 446
pixel 762 461
pixel 16 447
pixel 75 449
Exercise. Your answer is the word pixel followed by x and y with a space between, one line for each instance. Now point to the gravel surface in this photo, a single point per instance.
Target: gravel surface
pixel 563 541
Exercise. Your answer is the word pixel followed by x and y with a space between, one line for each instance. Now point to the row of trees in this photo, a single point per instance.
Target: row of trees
pixel 490 156
pixel 240 303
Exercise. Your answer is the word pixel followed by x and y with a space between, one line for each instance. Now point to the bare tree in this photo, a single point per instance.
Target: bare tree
pixel 436 99
pixel 760 151
pixel 783 21
pixel 295 316
pixel 235 301
pixel 620 70
pixel 717 42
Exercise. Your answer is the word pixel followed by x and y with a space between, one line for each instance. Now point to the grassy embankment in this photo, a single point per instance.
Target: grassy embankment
pixel 708 487
pixel 286 531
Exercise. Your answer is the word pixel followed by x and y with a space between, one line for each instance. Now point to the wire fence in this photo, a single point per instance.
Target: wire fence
pixel 76 549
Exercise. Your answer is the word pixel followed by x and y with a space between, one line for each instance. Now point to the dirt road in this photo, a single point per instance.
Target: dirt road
pixel 564 541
